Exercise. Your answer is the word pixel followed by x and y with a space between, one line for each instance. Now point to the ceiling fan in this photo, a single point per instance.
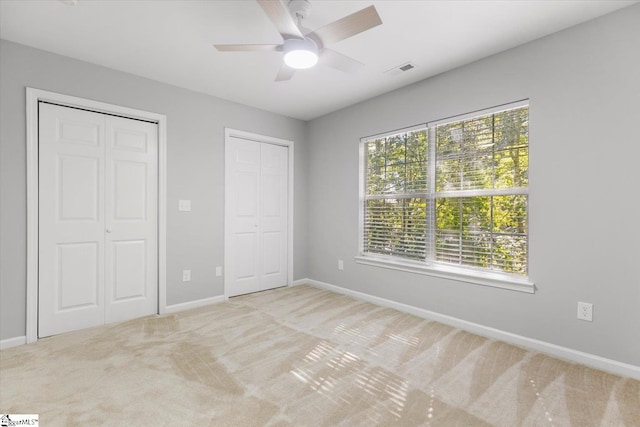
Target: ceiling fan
pixel 304 48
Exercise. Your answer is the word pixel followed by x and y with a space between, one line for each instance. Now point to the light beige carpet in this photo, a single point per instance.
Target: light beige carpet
pixel 302 357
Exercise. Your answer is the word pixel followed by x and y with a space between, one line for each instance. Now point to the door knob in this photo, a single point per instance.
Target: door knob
pixel 108 230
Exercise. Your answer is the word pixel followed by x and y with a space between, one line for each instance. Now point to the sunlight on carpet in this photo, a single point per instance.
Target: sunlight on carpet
pixel 302 356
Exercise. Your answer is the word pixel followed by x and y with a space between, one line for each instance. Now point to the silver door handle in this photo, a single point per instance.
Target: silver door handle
pixel 108 230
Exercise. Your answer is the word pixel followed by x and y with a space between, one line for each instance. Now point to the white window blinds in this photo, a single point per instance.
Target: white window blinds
pixel 396 186
pixel 452 193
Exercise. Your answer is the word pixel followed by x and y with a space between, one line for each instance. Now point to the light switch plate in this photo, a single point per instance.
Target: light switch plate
pixel 218 271
pixel 186 275
pixel 184 205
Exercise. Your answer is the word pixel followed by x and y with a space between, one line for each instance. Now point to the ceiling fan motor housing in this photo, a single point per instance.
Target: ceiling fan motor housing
pixel 300 8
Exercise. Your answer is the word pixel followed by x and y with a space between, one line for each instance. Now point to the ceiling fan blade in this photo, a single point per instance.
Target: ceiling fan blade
pixel 248 47
pixel 281 18
pixel 336 60
pixel 348 26
pixel 285 73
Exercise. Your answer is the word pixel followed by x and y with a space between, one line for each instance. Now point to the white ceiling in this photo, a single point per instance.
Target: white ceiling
pixel 171 41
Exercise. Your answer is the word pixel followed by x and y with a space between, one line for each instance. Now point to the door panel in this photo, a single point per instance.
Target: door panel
pixel 272 195
pixel 77 283
pixel 271 261
pixel 78 189
pixel 71 130
pixel 246 277
pixel 246 200
pixel 128 139
pixel 71 223
pixel 129 265
pixel 242 177
pixel 274 221
pixel 256 189
pixel 131 246
pixel 130 190
pixel 97 219
pixel 245 245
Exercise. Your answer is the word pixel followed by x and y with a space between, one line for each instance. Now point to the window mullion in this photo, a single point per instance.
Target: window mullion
pixel 493 186
pixel 430 202
pixel 491 228
pixel 493 151
pixel 460 231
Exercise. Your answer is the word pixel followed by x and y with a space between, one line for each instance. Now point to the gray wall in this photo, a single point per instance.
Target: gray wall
pixel 584 91
pixel 195 126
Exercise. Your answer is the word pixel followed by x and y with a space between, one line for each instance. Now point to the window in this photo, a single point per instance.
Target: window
pixel 450 195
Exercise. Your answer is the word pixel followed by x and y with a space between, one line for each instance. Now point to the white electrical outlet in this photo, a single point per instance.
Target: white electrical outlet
pixel 585 311
pixel 218 271
pixel 186 275
pixel 340 265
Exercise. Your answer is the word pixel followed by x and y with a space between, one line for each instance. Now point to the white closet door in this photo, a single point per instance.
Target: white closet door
pixel 72 223
pixel 273 216
pixel 242 192
pixel 131 217
pixel 97 219
pixel 256 197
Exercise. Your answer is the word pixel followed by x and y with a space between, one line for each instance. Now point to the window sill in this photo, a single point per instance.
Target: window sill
pixel 452 273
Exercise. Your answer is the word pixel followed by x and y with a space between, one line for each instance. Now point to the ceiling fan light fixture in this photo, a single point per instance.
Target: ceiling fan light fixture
pixel 300 53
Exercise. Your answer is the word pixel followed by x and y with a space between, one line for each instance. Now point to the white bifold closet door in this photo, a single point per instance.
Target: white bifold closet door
pixel 256 220
pixel 98 219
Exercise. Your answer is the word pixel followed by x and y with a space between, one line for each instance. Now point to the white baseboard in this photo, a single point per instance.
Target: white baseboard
pixel 13 342
pixel 588 359
pixel 16 341
pixel 193 304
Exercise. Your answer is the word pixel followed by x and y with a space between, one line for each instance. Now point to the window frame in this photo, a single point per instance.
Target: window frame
pixel 430 267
